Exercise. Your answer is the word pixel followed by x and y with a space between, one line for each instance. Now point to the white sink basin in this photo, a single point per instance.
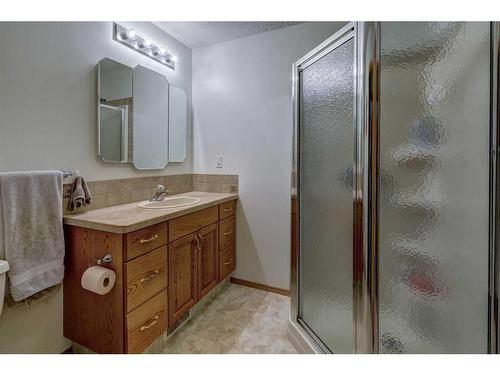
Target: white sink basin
pixel 171 202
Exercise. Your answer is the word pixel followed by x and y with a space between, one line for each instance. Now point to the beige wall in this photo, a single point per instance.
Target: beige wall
pixel 242 111
pixel 47 121
pixel 48 94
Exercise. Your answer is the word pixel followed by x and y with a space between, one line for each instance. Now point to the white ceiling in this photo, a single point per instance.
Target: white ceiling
pixel 200 34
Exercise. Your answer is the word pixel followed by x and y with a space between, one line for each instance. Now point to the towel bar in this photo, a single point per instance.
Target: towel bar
pixel 67 172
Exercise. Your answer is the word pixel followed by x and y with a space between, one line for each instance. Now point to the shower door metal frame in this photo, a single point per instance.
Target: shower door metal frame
pixel 366 36
pixel 367 186
pixel 494 225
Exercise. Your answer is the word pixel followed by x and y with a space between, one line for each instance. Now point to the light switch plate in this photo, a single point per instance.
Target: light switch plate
pixel 219 159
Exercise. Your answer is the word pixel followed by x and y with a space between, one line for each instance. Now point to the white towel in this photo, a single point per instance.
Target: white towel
pixel 31 230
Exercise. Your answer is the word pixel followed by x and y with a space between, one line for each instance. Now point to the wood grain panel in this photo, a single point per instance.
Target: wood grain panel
pixel 92 320
pixel 146 323
pixel 143 240
pixel 227 230
pixel 226 209
pixel 182 271
pixel 187 224
pixel 145 276
pixel 208 261
pixel 227 262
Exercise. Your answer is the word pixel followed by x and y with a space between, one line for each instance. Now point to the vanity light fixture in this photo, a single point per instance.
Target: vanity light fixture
pixel 132 39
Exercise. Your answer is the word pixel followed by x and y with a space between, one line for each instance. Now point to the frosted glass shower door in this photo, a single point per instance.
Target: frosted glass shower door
pixel 434 193
pixel 326 149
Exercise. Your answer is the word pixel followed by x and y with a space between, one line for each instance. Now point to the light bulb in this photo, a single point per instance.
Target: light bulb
pixel 162 51
pixel 173 58
pixel 131 34
pixel 146 43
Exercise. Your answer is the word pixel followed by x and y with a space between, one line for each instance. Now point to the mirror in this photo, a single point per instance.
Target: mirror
pixel 141 118
pixel 114 111
pixel 177 117
pixel 150 119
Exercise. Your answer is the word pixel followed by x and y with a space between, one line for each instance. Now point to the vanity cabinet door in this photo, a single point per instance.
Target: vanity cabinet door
pixel 227 262
pixel 182 285
pixel 146 323
pixel 145 276
pixel 207 260
pixel 227 229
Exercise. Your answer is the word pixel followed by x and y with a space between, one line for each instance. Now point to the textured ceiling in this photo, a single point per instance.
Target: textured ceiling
pixel 200 34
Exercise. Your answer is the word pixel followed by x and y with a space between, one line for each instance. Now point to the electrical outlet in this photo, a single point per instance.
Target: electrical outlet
pixel 219 159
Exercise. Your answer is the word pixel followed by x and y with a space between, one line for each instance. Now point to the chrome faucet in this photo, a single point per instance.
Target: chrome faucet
pixel 161 193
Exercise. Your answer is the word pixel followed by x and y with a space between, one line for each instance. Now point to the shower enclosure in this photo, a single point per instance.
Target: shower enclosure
pixel 394 221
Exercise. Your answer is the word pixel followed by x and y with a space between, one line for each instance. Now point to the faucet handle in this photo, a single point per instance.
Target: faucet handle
pixel 160 188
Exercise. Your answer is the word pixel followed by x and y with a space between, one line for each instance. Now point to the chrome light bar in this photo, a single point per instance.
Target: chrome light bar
pixel 132 39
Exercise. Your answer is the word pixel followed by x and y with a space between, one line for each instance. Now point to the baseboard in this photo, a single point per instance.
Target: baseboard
pixel 255 285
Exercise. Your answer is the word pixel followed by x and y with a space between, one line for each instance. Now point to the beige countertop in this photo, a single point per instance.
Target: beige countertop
pixel 128 217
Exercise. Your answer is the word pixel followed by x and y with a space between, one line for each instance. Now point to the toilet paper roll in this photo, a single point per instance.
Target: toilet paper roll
pixel 98 279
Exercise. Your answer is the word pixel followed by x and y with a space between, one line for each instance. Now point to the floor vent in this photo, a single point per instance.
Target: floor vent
pixel 183 319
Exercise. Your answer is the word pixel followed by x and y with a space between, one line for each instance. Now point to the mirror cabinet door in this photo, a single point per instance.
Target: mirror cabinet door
pixel 150 135
pixel 177 124
pixel 114 109
pixel 141 119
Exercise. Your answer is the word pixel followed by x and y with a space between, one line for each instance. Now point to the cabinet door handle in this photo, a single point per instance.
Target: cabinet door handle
pixel 150 324
pixel 227 209
pixel 146 240
pixel 202 241
pixel 197 242
pixel 150 277
pixel 228 233
pixel 228 262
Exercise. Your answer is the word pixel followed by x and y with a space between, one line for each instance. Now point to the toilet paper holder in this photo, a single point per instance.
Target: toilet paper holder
pixel 107 258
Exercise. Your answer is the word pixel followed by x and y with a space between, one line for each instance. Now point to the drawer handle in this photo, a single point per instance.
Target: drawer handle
pixel 227 233
pixel 152 238
pixel 227 209
pixel 152 323
pixel 150 277
pixel 228 262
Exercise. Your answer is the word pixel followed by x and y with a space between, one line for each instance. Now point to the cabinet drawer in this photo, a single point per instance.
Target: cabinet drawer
pixel 146 323
pixel 143 240
pixel 226 232
pixel 227 262
pixel 146 276
pixel 187 224
pixel 226 209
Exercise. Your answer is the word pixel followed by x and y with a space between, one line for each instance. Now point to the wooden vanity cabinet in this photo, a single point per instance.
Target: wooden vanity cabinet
pixel 89 319
pixel 207 260
pixel 162 271
pixel 227 237
pixel 182 276
pixel 193 270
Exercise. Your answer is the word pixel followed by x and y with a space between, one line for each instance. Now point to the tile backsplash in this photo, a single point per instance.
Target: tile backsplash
pixel 108 193
pixel 215 183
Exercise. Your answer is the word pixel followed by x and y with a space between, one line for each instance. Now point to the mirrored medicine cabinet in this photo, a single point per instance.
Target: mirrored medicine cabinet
pixel 141 118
